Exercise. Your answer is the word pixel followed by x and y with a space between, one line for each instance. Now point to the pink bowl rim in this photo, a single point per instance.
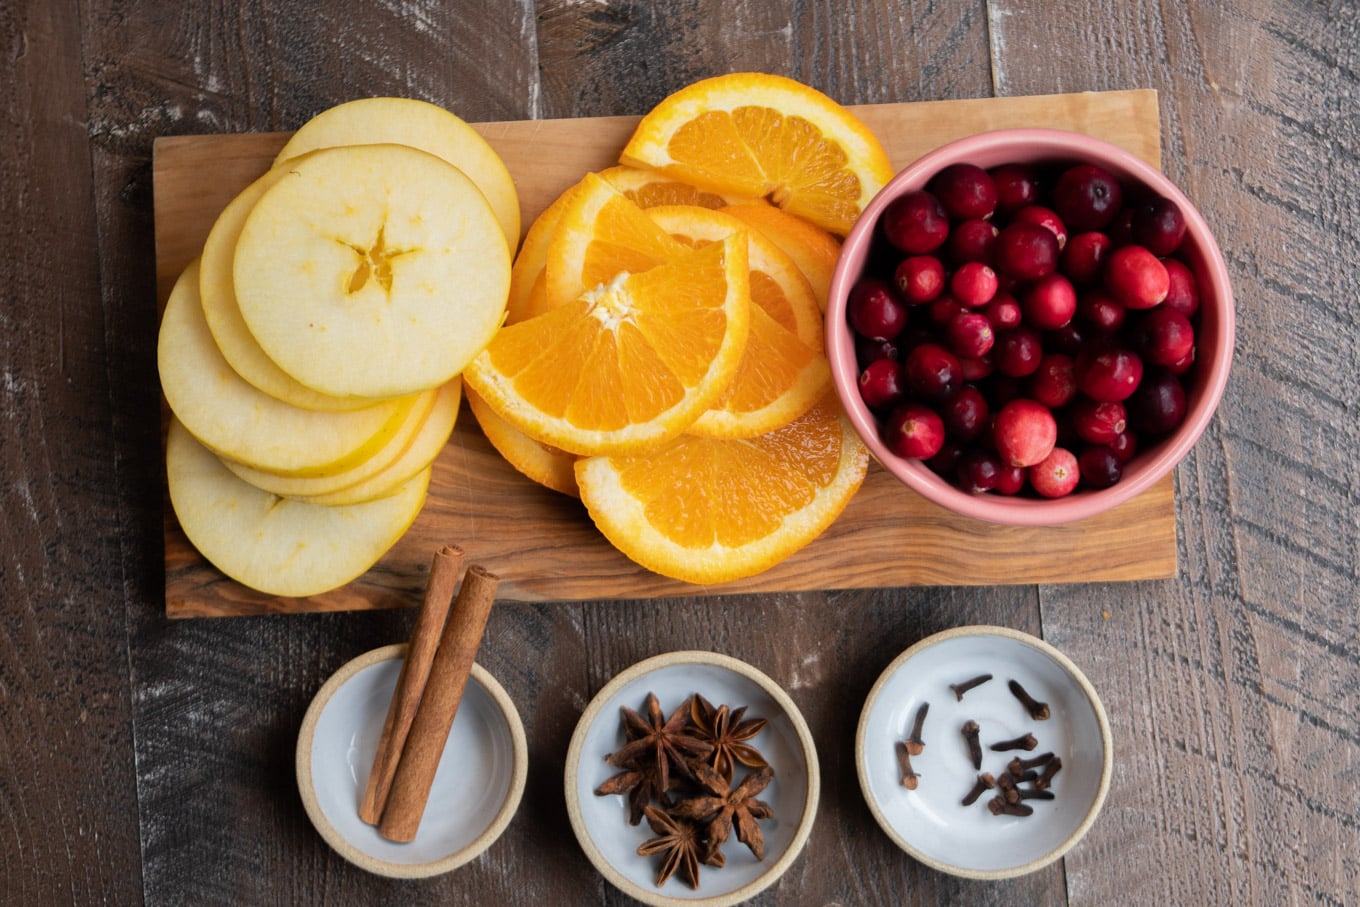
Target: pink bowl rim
pixel 1148 467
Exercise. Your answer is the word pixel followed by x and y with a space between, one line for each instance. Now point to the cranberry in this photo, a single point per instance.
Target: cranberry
pixel 970 335
pixel 1158 225
pixel 1163 336
pixel 1158 406
pixel 1026 251
pixel 919 278
pixel 915 223
pixel 1049 303
pixel 1083 257
pixel 875 311
pixel 1017 352
pixel 945 464
pixel 868 350
pixel 1054 383
pixel 975 368
pixel 1024 432
pixel 965 190
pixel 1120 230
pixel 880 384
pixel 973 284
pixel 932 372
pixel 914 431
pixel 1069 339
pixel 1100 467
pixel 1016 187
pixel 1044 217
pixel 965 415
pixel 1002 389
pixel 1108 374
pixel 1182 292
pixel 1182 365
pixel 972 240
pixel 1010 480
pixel 1003 311
pixel 1124 445
pixel 1057 475
pixel 1136 277
pixel 1087 197
pixel 979 470
pixel 1097 423
pixel 1100 311
pixel 944 308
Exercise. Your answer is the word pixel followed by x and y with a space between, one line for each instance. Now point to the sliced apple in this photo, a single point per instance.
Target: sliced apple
pixel 372 271
pixel 239 421
pixel 419 124
pixel 218 294
pixel 272 544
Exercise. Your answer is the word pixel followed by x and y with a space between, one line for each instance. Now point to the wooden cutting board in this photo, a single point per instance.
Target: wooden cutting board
pixel 543 545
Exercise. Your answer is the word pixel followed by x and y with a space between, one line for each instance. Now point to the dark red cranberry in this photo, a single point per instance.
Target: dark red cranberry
pixel 1159 225
pixel 932 372
pixel 1158 406
pixel 965 414
pixel 1069 339
pixel 1026 251
pixel 965 190
pixel 973 284
pixel 1054 383
pixel 875 311
pixel 1124 445
pixel 1016 187
pixel 1002 389
pixel 915 223
pixel 1003 311
pixel 1017 352
pixel 1044 217
pixel 979 470
pixel 972 240
pixel 914 431
pixel 1182 293
pixel 945 463
pixel 868 350
pixel 1099 311
pixel 1097 423
pixel 1057 475
pixel 881 385
pixel 1087 197
pixel 1049 303
pixel 1163 336
pixel 1084 257
pixel 975 368
pixel 1136 277
pixel 943 309
pixel 1120 229
pixel 970 335
pixel 1010 480
pixel 1099 466
pixel 919 278
pixel 1108 374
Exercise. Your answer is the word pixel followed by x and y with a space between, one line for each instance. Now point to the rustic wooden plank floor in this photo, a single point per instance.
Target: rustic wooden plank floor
pixel 143 760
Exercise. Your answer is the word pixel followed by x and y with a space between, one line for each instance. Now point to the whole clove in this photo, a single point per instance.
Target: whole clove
pixel 1018 766
pixel 1046 779
pixel 1025 742
pixel 999 807
pixel 914 742
pixel 970 734
pixel 985 782
pixel 1028 793
pixel 1027 775
pixel 910 779
pixel 1037 710
pixel 961 688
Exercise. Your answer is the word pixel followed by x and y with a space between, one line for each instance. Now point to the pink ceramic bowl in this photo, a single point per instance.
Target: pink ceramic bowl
pixel 1204 385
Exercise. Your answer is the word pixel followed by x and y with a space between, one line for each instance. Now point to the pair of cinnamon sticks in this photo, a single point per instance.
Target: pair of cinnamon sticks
pixel 428 692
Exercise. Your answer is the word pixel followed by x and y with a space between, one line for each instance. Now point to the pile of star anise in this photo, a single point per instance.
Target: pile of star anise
pixel 677 772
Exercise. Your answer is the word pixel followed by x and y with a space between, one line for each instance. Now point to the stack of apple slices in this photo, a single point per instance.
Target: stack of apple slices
pixel 311 356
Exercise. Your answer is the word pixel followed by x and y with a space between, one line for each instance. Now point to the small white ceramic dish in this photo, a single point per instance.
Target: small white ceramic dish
pixel 930 823
pixel 476 789
pixel 601 822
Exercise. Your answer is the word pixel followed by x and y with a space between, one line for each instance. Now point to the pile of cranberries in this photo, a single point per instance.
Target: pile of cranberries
pixel 1026 329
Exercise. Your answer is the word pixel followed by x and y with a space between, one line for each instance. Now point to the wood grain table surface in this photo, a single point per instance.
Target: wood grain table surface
pixel 145 760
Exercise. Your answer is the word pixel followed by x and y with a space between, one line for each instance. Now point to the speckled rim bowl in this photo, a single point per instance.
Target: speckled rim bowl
pixel 476 789
pixel 601 822
pixel 930 823
pixel 1214 342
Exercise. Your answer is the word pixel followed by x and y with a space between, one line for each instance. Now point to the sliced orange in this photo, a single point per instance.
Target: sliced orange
pixel 765 135
pixel 814 250
pixel 707 511
pixel 783 371
pixel 630 363
pixel 650 189
pixel 545 464
pixel 528 289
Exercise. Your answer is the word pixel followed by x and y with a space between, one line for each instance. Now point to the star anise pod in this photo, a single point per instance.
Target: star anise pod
pixel 677 839
pixel 721 807
pixel 659 744
pixel 639 784
pixel 724 729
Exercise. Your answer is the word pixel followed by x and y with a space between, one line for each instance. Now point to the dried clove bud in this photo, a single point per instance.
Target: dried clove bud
pixel 999 807
pixel 1027 742
pixel 1018 766
pixel 970 734
pixel 984 782
pixel 1027 775
pixel 1046 779
pixel 909 776
pixel 1037 710
pixel 1026 793
pixel 961 688
pixel 914 743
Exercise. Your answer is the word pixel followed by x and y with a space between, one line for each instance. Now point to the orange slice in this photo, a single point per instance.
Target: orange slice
pixel 814 250
pixel 769 136
pixel 546 465
pixel 708 511
pixel 783 371
pixel 630 363
pixel 650 189
pixel 528 289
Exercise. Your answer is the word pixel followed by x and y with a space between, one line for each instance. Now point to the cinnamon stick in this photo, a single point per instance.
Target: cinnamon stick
pixel 434 610
pixel 434 717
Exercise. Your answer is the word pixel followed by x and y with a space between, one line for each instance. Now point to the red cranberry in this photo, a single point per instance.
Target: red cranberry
pixel 1099 466
pixel 1083 257
pixel 875 311
pixel 1044 217
pixel 965 190
pixel 1016 187
pixel 945 463
pixel 932 372
pixel 880 384
pixel 973 284
pixel 979 470
pixel 1017 352
pixel 1049 303
pixel 868 350
pixel 1097 423
pixel 1026 251
pixel 1182 292
pixel 1057 475
pixel 1054 383
pixel 970 335
pixel 1136 277
pixel 943 309
pixel 1010 480
pixel 1069 339
pixel 919 278
pixel 1087 197
pixel 1182 365
pixel 914 431
pixel 1024 432
pixel 915 223
pixel 1163 336
pixel 975 368
pixel 1108 374
pixel 1158 406
pixel 972 240
pixel 965 415
pixel 1100 311
pixel 1120 230
pixel 1124 445
pixel 1158 225
pixel 1003 311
